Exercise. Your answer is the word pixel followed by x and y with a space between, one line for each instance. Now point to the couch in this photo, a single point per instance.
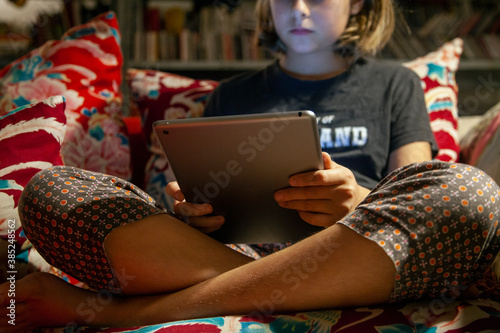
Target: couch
pixel 61 104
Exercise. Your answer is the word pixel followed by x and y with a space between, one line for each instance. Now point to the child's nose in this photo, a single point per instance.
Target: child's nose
pixel 300 9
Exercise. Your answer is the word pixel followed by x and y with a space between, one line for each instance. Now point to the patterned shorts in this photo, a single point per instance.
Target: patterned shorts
pixel 67 213
pixel 438 222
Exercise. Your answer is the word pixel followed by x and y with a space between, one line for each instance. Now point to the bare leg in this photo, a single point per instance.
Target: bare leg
pixel 160 254
pixel 334 268
pixel 43 300
pixel 156 255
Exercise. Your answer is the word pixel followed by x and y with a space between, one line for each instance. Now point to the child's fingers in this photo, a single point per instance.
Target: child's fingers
pixel 206 224
pixel 174 191
pixel 187 209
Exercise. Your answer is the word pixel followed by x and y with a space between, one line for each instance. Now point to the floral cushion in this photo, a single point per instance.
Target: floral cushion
pixel 30 140
pixel 84 67
pixel 159 95
pixel 481 144
pixel 437 74
pixel 444 315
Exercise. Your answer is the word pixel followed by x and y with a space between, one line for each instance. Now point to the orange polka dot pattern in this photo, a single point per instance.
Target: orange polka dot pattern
pixel 67 213
pixel 438 222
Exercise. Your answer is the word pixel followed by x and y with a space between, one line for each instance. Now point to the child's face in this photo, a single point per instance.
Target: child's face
pixel 311 26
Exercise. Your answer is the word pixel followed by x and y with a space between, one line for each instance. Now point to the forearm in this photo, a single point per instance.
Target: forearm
pixel 361 195
pixel 411 153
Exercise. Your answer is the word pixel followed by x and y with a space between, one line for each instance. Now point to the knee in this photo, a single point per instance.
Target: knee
pixel 459 190
pixel 470 197
pixel 478 195
pixel 36 196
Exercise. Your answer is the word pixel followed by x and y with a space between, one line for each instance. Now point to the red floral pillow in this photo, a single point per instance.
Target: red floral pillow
pixel 159 95
pixel 437 73
pixel 84 67
pixel 30 140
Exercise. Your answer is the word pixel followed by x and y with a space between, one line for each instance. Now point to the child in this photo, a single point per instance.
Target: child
pixel 423 230
pixel 371 116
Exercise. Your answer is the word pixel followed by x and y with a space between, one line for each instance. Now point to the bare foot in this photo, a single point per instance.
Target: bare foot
pixel 41 300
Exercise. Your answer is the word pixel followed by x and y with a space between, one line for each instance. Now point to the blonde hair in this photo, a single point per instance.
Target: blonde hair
pixel 366 32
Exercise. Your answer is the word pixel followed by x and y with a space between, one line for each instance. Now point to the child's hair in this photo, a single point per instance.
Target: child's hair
pixel 366 33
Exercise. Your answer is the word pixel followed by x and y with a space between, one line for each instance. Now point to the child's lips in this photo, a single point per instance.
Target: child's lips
pixel 300 31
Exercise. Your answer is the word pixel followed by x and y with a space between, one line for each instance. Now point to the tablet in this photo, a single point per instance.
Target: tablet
pixel 237 163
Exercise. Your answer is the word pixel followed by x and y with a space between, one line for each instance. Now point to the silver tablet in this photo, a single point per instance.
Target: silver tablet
pixel 236 163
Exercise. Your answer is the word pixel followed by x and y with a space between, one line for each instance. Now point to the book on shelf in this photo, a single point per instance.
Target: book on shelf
pixel 152 27
pixel 212 33
pixel 471 49
pixel 468 24
pixel 139 46
pixel 495 26
pixel 430 28
pixel 487 19
pixel 184 45
pixel 490 45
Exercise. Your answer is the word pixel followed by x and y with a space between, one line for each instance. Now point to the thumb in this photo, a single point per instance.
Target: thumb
pixel 174 191
pixel 327 161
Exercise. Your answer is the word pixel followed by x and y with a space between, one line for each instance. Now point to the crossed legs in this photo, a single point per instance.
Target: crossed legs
pixel 333 268
pixel 169 271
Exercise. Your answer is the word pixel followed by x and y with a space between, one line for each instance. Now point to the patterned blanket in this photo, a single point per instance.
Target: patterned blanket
pixel 436 316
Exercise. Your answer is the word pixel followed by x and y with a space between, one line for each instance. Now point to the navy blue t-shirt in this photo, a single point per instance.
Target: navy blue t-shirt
pixel 363 114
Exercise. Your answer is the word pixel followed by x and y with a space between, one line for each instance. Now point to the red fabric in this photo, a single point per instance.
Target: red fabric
pixel 30 140
pixel 138 149
pixel 159 95
pixel 437 74
pixel 85 67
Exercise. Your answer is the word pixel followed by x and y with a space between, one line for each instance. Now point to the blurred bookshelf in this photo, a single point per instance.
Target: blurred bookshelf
pixel 214 35
pixel 195 35
pixel 176 35
pixel 428 24
pixel 214 39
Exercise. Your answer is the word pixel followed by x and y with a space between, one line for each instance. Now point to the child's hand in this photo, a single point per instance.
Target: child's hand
pixel 193 214
pixel 322 197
